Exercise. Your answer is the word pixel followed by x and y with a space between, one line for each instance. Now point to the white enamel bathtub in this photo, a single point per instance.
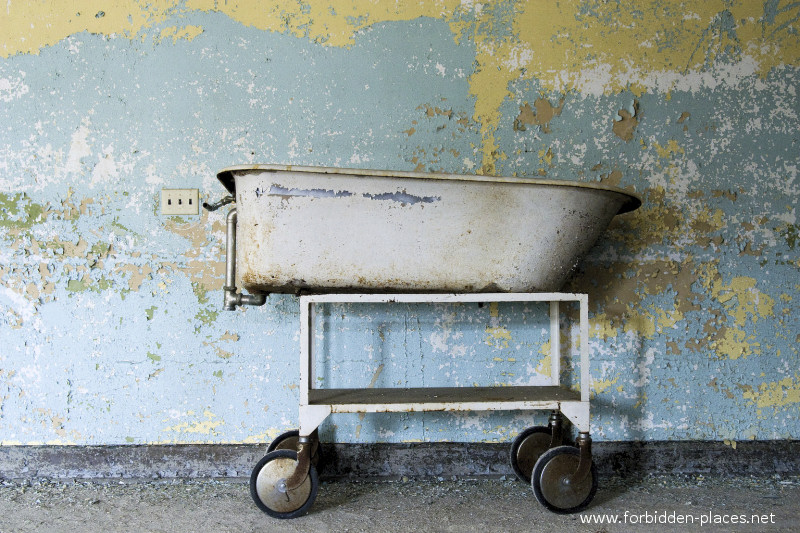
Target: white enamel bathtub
pixel 323 229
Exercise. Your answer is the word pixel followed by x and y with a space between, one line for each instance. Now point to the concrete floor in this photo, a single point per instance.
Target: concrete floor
pixel 484 505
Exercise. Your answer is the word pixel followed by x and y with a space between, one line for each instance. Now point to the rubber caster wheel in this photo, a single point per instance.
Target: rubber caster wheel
pixel 268 489
pixel 290 441
pixel 527 448
pixel 552 485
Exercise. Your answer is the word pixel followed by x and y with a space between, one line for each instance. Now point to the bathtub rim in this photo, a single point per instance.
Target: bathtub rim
pixel 226 177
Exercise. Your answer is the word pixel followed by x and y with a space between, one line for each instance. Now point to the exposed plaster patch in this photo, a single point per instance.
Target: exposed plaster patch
pixel 544 113
pixel 13 88
pixel 78 149
pixel 625 127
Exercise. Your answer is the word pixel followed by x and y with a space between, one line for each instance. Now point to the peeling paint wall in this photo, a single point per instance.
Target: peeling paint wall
pixel 111 327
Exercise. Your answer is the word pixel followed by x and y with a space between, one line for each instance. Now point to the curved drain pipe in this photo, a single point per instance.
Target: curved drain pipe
pixel 233 298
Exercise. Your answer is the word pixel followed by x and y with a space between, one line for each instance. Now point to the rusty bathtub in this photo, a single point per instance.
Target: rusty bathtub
pixel 315 229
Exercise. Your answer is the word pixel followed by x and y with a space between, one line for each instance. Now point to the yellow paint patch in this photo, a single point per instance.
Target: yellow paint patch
pixel 328 22
pixel 742 299
pixel 187 33
pixel 648 324
pixel 783 393
pixel 203 427
pixel 498 337
pixel 545 367
pixel 672 148
pixel 742 302
pixel 601 385
pixel 642 323
pixel 259 438
pixel 601 326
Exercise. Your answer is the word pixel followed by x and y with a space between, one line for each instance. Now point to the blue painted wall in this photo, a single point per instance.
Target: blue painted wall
pixel 111 327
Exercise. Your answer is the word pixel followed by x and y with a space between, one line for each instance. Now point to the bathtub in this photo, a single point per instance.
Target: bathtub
pixel 316 229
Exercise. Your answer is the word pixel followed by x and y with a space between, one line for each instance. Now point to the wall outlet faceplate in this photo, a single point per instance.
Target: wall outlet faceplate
pixel 180 201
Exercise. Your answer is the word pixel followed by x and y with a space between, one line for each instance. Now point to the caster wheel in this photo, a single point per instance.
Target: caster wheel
pixel 289 441
pixel 267 486
pixel 527 448
pixel 552 484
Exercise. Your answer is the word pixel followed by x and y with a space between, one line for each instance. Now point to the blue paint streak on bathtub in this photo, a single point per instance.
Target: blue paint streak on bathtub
pixel 279 190
pixel 403 197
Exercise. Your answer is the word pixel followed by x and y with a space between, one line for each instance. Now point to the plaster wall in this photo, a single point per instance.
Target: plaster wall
pixel 111 327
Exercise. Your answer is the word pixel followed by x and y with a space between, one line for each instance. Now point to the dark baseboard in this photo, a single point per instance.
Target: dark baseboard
pixel 391 461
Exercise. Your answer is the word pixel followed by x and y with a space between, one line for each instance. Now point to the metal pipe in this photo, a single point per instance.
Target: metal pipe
pixel 216 205
pixel 232 297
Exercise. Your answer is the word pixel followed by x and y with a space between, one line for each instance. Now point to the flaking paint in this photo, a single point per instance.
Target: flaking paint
pixel 110 316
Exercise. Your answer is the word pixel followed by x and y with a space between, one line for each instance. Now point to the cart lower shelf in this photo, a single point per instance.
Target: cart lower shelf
pixel 442 399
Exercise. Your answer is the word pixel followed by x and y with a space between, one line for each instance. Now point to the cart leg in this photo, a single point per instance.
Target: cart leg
pixel 556 434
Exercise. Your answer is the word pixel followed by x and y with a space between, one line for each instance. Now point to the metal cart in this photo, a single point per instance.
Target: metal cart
pixel 306 229
pixel 285 481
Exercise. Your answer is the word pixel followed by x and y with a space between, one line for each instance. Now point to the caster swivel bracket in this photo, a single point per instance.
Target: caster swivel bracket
pixel 584 443
pixel 303 464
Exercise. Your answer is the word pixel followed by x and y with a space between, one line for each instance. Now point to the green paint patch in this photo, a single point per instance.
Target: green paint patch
pixel 129 439
pixel 791 234
pixel 119 230
pixel 218 374
pixel 150 311
pixel 100 249
pixel 153 357
pixel 17 211
pixel 88 284
pixel 77 285
pixel 207 316
pixel 200 292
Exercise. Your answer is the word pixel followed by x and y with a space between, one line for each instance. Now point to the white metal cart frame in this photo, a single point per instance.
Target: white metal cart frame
pixel 564 478
pixel 317 404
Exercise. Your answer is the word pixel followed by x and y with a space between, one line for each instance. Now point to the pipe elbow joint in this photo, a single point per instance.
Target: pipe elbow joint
pixel 255 299
pixel 235 299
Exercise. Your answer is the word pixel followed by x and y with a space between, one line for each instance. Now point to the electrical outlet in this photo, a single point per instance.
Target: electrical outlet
pixel 180 201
